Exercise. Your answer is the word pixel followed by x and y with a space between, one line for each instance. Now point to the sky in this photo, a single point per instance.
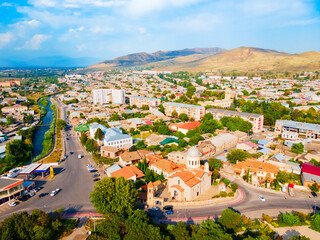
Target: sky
pixel 105 29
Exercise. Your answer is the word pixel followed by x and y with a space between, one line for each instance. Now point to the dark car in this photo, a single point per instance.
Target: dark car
pixel 314 194
pixel 96 179
pixel 71 153
pixel 169 212
pixel 95 175
pixel 43 194
pixel 24 198
pixel 168 207
pixel 67 138
pixel 316 208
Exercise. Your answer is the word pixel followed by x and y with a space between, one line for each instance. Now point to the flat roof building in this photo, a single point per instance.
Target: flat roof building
pixel 193 111
pixel 10 188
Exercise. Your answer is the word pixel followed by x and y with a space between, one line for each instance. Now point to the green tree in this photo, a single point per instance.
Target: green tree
pixel 297 148
pixel 314 187
pixel 315 223
pixel 209 230
pixel 141 145
pixel 138 227
pixel 237 155
pixel 28 118
pixel 114 196
pixel 114 117
pixel 299 237
pixel 183 117
pixel 10 120
pixel 161 108
pixel 180 231
pixel 145 107
pixel 99 135
pixel 83 138
pixel 61 124
pixel 215 164
pixel 174 114
pixel 91 145
pixel 112 227
pixel 290 219
pixel 230 219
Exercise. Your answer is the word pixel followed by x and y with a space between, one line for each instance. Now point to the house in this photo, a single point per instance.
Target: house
pixel 223 141
pixel 260 171
pixel 129 158
pixel 283 163
pixel 109 152
pixel 247 146
pixel 190 180
pixel 128 172
pixel 115 138
pixel 290 135
pixel 113 168
pixel 207 149
pixel 310 174
pixel 185 127
pixel 163 166
pixel 17 108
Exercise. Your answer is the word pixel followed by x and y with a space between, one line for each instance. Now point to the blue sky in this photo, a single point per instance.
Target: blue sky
pixel 106 29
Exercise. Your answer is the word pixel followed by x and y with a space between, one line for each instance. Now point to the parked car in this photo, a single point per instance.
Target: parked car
pixel 168 207
pixel 314 194
pixel 79 156
pixel 316 208
pixel 169 212
pixel 154 208
pixel 96 179
pixel 95 175
pixel 31 194
pixel 12 204
pixel 54 192
pixel 43 194
pixel 262 198
pixel 93 170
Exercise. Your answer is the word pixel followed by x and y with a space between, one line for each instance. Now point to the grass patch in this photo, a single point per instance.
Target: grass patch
pixel 144 135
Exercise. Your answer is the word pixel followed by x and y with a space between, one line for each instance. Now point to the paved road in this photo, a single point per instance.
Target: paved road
pixel 73 179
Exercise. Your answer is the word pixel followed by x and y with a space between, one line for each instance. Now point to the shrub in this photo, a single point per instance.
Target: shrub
pixel 302 216
pixel 315 223
pixel 267 218
pixel 223 194
pixel 290 219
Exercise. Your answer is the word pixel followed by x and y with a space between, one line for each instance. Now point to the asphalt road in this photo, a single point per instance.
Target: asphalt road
pixel 74 180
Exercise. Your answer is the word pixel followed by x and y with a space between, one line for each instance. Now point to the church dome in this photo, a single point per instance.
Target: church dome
pixel 194 152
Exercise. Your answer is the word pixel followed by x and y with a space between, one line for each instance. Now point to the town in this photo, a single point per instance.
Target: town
pixel 190 145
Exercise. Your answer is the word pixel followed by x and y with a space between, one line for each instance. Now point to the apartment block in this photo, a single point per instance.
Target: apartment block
pixel 193 111
pixel 304 130
pixel 255 119
pixel 140 101
pixel 102 96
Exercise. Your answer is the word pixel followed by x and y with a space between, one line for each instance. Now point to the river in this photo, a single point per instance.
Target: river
pixel 37 140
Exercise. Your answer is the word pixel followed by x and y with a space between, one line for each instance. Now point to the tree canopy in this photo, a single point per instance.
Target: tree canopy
pixel 114 196
pixel 237 155
pixel 99 135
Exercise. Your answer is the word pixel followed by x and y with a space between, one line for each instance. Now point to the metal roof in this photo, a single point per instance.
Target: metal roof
pixel 299 125
pixel 6 182
pixel 29 169
pixel 183 105
pixel 229 112
pixel 43 168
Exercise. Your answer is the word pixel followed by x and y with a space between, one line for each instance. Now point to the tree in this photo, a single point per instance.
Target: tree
pixel 297 148
pixel 268 120
pixel 209 230
pixel 141 145
pixel 172 96
pixel 299 237
pixel 230 219
pixel 114 196
pixel 183 117
pixel 112 227
pixel 114 117
pixel 99 135
pixel 90 145
pixel 28 118
pixel 138 227
pixel 174 114
pixel 145 107
pixel 10 120
pixel 182 143
pixel 315 223
pixel 61 124
pixel 237 155
pixel 314 187
pixel 161 108
pixel 215 164
pixel 83 138
pixel 180 231
pixel 290 219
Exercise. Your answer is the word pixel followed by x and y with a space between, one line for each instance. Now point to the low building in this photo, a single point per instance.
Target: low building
pixel 184 127
pixel 310 174
pixel 193 111
pixel 115 138
pixel 223 141
pixel 10 189
pixel 129 173
pixel 129 158
pixel 290 135
pixel 17 108
pixel 260 171
pixel 255 119
pixel 163 166
pixel 109 152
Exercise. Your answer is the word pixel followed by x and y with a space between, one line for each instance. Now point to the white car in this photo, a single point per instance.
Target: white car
pixel 54 192
pixel 262 198
pixel 12 204
pixel 154 208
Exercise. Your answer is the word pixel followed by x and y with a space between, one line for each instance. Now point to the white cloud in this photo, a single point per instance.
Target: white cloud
pixel 6 4
pixel 79 29
pixel 35 42
pixel 80 47
pixel 101 30
pixel 142 30
pixel 5 38
pixel 42 3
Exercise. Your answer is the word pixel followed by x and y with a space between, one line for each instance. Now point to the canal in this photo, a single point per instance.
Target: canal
pixel 41 131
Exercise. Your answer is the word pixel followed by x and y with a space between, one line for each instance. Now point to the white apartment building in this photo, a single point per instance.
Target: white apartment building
pixel 102 96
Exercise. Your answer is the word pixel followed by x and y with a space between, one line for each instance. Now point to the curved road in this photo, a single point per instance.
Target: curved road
pixel 76 183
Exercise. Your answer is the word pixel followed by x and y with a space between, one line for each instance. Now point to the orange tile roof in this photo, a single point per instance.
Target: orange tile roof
pixel 185 175
pixel 256 166
pixel 137 171
pixel 178 187
pixel 188 125
pixel 165 165
pixel 193 181
pixel 130 156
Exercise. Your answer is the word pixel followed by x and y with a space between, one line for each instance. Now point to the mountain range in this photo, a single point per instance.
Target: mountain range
pixel 242 59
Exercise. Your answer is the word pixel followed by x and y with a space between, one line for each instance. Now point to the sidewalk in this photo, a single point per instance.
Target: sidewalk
pixel 80 232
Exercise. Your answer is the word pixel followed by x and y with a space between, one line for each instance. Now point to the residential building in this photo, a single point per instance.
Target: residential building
pixel 115 138
pixel 102 96
pixel 193 111
pixel 17 108
pixel 109 152
pixel 260 171
pixel 163 166
pixel 184 127
pixel 290 135
pixel 305 130
pixel 223 141
pixel 10 83
pixel 140 101
pixel 255 119
pixel 310 174
pixel 129 173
